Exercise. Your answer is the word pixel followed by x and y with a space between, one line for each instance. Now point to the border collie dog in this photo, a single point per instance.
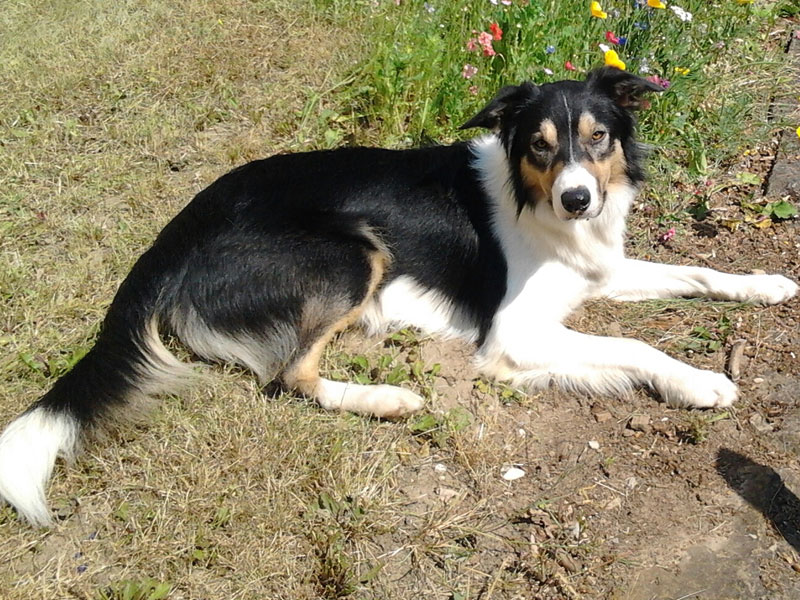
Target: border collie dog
pixel 494 241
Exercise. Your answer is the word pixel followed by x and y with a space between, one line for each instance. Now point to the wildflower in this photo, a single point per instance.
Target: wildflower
pixel 430 9
pixel 683 15
pixel 641 25
pixel 612 38
pixel 497 33
pixel 597 10
pixel 472 44
pixel 656 4
pixel 745 1
pixel 473 89
pixel 570 67
pixel 469 71
pixel 622 40
pixel 797 131
pixel 613 60
pixel 667 235
pixel 485 40
pixel 644 66
pixel 547 71
pixel 665 83
pixel 549 49
pixel 682 70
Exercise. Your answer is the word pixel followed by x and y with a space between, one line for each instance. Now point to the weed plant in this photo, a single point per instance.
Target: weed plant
pixel 424 71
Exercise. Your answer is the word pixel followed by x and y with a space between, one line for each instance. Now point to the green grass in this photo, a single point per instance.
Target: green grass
pixel 409 84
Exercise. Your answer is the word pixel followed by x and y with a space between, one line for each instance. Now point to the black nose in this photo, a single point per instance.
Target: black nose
pixel 576 200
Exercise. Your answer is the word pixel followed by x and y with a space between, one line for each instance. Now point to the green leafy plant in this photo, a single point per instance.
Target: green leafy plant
pixel 440 428
pixel 705 340
pixel 146 589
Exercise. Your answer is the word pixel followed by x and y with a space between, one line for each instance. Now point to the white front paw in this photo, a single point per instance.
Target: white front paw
pixel 699 389
pixel 769 289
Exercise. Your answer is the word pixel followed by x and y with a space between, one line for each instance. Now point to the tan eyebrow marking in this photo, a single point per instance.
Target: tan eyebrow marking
pixel 549 132
pixel 587 125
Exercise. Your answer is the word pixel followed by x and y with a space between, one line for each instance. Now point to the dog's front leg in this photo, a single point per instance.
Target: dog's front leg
pixel 641 280
pixel 602 365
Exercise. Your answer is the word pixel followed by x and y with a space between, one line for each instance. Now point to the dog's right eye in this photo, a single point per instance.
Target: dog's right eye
pixel 540 144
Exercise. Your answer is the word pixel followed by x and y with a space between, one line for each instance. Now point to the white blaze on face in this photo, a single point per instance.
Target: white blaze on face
pixel 572 177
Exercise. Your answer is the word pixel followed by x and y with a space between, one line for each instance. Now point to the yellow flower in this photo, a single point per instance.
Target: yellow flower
pixel 682 70
pixel 656 4
pixel 597 10
pixel 613 60
pixel 797 131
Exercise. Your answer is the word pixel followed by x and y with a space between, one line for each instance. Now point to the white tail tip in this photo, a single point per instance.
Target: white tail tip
pixel 28 450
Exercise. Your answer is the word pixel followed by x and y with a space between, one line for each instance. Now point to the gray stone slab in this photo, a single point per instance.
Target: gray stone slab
pixel 784 180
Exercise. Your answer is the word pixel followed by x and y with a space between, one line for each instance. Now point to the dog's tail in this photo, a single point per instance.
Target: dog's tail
pixel 128 363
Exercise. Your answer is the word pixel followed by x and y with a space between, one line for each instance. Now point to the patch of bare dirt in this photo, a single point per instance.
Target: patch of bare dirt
pixel 620 498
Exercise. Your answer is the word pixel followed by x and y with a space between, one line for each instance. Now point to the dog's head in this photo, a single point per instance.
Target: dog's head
pixel 569 142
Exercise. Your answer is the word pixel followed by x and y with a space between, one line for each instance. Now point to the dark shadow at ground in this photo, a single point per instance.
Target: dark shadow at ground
pixel 764 489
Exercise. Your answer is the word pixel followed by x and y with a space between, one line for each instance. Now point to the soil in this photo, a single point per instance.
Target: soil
pixel 627 498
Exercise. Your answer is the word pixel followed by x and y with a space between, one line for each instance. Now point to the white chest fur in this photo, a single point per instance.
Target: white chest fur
pixel 553 265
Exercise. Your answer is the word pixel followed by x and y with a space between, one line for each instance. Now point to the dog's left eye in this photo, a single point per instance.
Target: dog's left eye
pixel 540 144
pixel 598 135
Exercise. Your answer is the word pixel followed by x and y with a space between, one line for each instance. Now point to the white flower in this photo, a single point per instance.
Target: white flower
pixel 683 15
pixel 604 47
pixel 469 71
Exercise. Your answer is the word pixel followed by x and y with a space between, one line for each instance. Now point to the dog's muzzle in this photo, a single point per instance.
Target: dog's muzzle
pixel 576 194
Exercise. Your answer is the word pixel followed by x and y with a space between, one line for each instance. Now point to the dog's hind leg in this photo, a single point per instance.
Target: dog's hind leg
pixel 302 374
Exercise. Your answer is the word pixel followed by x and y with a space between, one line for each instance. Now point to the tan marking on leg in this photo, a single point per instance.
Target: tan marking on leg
pixel 303 375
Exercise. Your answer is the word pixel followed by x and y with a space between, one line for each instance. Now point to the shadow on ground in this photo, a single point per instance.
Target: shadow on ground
pixel 764 489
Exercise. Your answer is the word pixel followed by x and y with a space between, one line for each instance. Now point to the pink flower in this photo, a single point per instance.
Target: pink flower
pixel 658 81
pixel 569 66
pixel 667 235
pixel 497 33
pixel 473 89
pixel 469 71
pixel 485 40
pixel 612 38
pixel 472 44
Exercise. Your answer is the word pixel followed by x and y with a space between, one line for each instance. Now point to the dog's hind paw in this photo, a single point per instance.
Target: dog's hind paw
pixel 390 402
pixel 382 401
pixel 701 389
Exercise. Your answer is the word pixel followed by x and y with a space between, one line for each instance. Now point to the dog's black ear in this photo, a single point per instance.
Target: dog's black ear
pixel 506 102
pixel 625 89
